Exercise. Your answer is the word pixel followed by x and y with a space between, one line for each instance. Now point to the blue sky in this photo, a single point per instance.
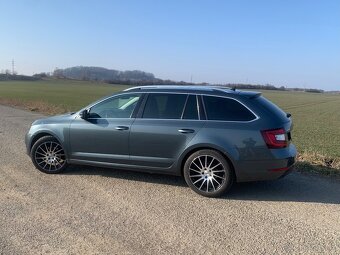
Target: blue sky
pixel 290 43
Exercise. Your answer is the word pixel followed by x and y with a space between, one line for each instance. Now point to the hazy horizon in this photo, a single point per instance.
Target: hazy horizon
pixel 290 43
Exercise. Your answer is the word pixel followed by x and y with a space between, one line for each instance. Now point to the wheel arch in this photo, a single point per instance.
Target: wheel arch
pixel 41 134
pixel 194 149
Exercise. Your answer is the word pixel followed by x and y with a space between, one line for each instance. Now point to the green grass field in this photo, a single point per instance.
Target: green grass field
pixel 67 95
pixel 316 116
pixel 316 120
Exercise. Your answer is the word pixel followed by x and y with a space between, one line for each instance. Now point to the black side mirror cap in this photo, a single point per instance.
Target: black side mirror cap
pixel 84 114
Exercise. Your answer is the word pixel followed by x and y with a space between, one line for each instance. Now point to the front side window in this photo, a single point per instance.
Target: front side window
pixel 226 109
pixel 164 106
pixel 115 107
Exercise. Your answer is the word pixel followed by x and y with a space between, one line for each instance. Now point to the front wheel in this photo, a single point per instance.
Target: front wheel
pixel 48 155
pixel 208 173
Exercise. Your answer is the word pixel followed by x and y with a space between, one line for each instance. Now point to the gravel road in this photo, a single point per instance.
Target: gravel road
pixel 104 211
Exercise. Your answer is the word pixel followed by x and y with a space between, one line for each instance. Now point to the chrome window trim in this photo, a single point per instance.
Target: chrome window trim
pixel 198 107
pixel 183 93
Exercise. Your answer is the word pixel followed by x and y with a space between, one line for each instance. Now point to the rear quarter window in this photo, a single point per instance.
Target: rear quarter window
pixel 271 108
pixel 226 109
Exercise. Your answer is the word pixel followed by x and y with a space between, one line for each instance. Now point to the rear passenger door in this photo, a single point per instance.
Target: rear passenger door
pixel 163 128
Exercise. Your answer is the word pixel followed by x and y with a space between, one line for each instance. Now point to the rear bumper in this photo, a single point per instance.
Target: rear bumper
pixel 279 164
pixel 264 170
pixel 290 169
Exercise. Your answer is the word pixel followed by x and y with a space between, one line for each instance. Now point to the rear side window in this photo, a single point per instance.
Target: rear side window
pixel 164 106
pixel 190 111
pixel 226 109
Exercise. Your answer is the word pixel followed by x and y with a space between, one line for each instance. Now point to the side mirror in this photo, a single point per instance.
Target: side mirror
pixel 84 114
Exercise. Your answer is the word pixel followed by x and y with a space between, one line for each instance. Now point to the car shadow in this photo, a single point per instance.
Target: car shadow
pixel 296 187
pixel 126 175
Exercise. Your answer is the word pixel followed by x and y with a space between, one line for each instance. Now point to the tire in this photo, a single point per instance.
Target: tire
pixel 48 155
pixel 208 173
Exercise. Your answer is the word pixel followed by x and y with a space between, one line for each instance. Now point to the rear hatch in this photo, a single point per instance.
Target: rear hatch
pixel 276 115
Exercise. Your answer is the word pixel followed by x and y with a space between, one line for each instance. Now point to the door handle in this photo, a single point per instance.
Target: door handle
pixel 186 131
pixel 121 128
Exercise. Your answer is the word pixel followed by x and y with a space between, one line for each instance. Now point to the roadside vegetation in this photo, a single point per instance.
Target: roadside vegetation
pixel 316 116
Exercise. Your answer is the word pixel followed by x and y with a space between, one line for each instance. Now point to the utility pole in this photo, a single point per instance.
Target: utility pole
pixel 12 66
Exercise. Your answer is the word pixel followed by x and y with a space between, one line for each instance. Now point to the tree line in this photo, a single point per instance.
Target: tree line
pixel 133 78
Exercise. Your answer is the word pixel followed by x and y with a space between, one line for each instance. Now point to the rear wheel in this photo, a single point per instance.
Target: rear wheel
pixel 208 173
pixel 48 155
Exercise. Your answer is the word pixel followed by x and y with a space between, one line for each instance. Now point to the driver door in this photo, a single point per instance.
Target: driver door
pixel 103 136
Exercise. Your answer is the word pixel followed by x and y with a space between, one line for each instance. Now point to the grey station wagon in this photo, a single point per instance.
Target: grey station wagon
pixel 213 136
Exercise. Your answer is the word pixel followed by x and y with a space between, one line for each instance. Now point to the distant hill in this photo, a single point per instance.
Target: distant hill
pixel 91 73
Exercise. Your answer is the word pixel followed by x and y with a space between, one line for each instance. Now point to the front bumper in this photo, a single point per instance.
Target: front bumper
pixel 28 137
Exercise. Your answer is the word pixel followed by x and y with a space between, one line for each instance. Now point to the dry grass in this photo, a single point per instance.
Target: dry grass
pixel 317 163
pixel 34 106
pixel 318 159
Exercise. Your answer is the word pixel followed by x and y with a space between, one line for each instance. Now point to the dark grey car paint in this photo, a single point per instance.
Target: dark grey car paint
pixel 163 138
pixel 157 145
pixel 100 140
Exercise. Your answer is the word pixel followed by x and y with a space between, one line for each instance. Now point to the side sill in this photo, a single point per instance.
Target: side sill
pixel 138 168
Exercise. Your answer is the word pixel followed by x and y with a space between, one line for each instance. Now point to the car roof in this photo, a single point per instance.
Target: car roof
pixel 206 89
pixel 195 88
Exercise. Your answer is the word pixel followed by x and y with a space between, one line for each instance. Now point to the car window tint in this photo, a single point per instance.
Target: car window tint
pixel 164 106
pixel 190 111
pixel 115 107
pixel 271 107
pixel 219 108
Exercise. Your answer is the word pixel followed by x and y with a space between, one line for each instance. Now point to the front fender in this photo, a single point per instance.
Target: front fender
pixel 37 131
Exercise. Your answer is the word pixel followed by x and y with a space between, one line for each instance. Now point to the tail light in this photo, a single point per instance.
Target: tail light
pixel 275 138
